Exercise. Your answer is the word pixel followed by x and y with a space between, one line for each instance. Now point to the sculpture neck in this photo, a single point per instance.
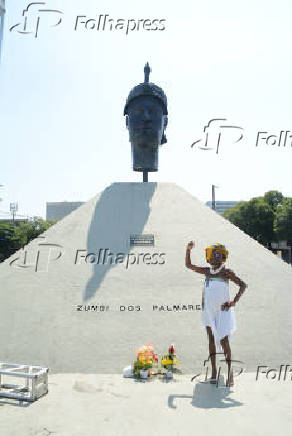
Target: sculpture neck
pixel 144 159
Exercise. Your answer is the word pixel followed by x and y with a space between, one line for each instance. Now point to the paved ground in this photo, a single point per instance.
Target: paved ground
pixel 110 405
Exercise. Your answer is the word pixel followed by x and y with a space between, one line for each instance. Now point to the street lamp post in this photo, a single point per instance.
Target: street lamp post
pixel 13 210
pixel 213 197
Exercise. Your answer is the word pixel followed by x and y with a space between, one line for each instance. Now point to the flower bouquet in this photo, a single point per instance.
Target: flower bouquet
pixel 169 361
pixel 144 362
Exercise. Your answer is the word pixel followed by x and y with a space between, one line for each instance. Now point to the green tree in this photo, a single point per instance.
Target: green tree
pixel 14 237
pixel 254 217
pixel 274 199
pixel 8 240
pixel 283 221
pixel 27 231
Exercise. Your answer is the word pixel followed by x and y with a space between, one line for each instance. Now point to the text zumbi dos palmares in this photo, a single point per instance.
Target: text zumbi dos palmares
pixel 104 23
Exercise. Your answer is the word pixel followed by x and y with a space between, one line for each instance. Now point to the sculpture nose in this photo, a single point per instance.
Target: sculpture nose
pixel 146 115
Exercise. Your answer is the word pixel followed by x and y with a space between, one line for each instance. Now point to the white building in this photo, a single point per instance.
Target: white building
pixel 59 209
pixel 283 249
pixel 221 206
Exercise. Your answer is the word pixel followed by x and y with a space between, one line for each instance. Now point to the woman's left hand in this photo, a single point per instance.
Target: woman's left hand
pixel 227 305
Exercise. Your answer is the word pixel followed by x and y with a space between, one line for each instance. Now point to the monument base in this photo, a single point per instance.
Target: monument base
pixel 111 276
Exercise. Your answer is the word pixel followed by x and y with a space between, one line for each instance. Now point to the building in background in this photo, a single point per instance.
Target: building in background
pixel 16 220
pixel 283 249
pixel 221 206
pixel 60 209
pixel 2 14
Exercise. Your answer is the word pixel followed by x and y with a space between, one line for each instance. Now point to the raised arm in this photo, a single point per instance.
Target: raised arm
pixel 198 269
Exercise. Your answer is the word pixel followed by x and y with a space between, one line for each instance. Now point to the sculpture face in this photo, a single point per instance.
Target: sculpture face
pixel 146 124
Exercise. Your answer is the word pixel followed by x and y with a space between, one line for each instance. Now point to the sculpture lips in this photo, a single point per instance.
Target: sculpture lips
pixel 145 129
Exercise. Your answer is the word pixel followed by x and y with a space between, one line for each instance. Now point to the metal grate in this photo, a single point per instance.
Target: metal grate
pixel 34 381
pixel 145 240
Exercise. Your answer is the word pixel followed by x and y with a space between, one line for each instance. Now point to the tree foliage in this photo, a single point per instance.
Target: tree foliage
pixel 14 237
pixel 8 240
pixel 266 219
pixel 254 217
pixel 274 199
pixel 283 221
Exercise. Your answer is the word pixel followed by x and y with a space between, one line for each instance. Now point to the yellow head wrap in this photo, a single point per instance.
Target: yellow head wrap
pixel 218 247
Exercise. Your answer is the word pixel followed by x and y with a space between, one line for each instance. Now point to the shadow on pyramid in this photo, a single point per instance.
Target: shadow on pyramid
pixel 112 222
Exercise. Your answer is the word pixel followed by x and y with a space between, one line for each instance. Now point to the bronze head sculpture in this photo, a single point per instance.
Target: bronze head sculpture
pixel 146 120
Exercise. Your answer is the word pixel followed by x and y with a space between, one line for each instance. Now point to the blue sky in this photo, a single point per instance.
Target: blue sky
pixel 63 134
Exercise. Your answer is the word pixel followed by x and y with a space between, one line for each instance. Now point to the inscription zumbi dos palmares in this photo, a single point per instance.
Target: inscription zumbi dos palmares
pixel 138 308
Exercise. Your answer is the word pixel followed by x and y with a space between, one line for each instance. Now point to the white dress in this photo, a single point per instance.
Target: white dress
pixel 222 322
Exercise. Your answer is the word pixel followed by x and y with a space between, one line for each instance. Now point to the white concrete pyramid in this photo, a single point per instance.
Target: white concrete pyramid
pixel 43 285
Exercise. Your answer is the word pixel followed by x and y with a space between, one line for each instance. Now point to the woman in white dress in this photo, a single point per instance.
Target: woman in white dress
pixel 217 308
